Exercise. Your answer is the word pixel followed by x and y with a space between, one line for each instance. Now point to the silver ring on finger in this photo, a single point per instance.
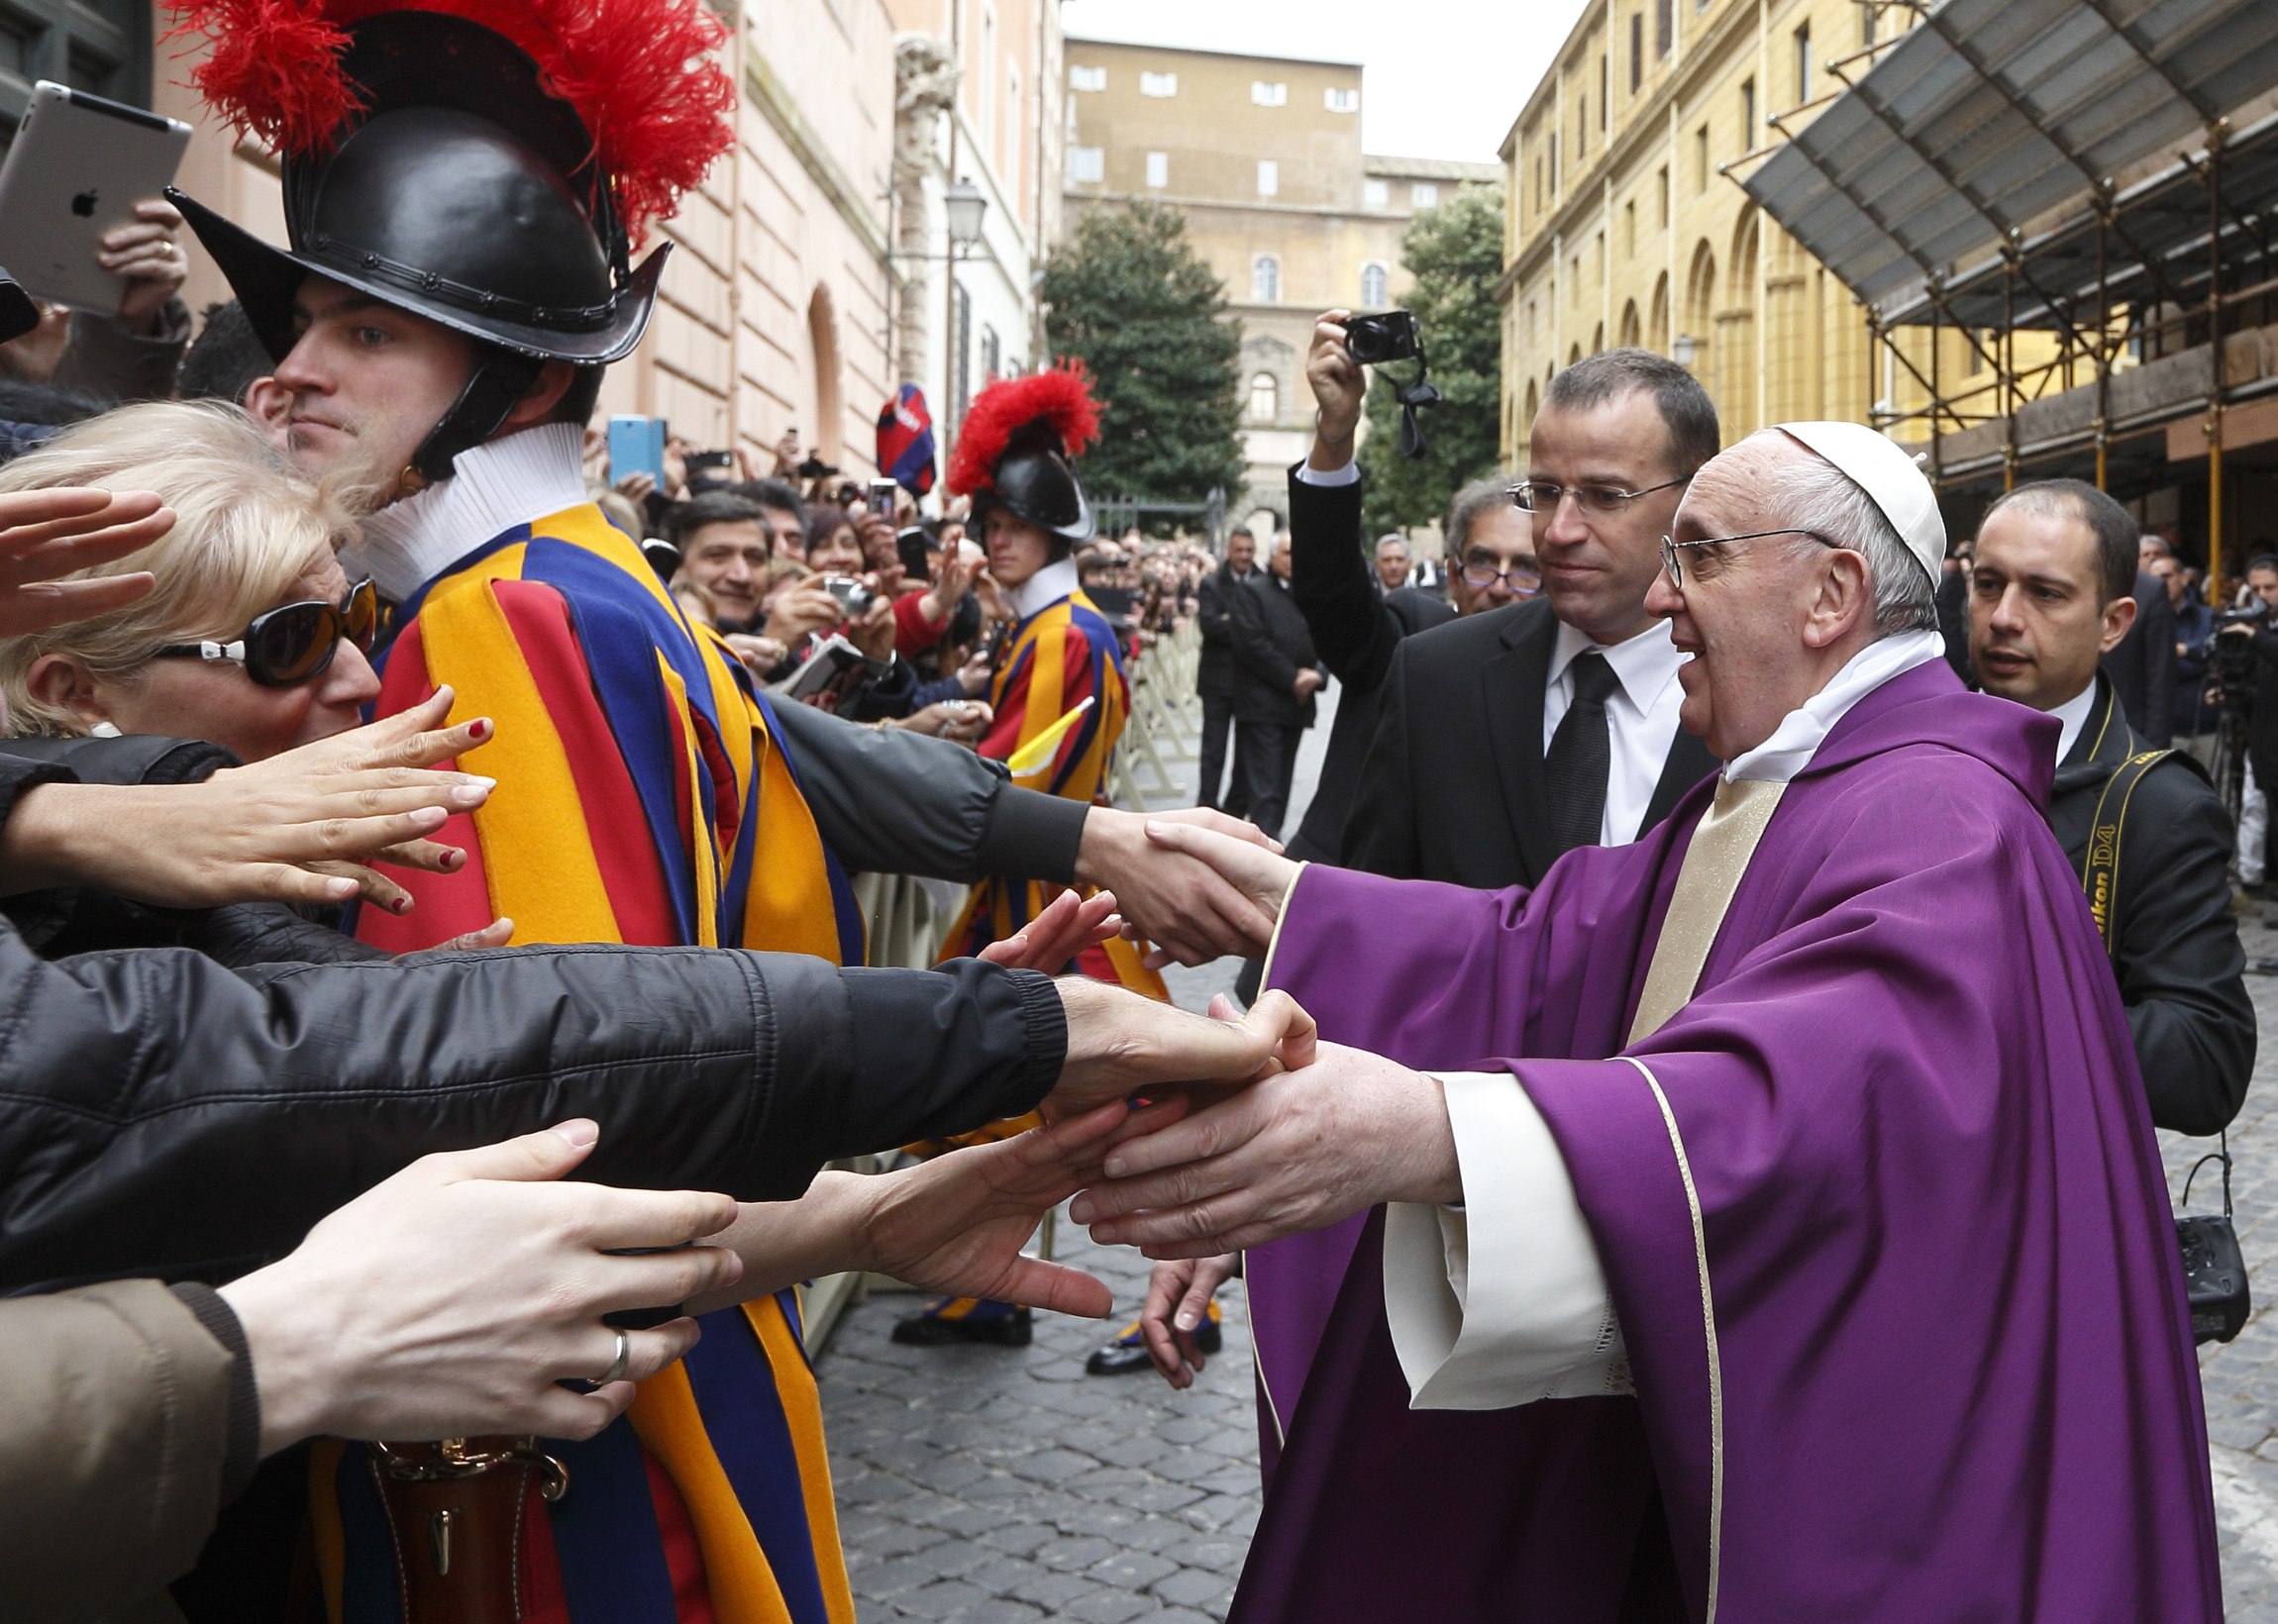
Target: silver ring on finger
pixel 617 1369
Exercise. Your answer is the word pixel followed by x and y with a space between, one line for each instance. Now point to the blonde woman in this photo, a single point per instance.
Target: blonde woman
pixel 254 638
pixel 249 636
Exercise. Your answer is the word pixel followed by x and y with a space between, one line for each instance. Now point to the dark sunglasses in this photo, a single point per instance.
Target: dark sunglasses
pixel 295 644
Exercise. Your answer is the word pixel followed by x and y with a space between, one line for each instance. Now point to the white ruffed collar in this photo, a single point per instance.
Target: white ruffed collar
pixel 1046 587
pixel 492 488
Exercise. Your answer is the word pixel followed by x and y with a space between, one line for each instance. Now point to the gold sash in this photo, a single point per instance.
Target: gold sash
pixel 1714 863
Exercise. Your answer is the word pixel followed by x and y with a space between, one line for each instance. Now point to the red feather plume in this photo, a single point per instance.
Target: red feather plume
pixel 1060 394
pixel 639 73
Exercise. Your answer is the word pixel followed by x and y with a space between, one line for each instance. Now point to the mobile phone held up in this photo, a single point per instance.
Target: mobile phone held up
pixel 637 446
pixel 882 498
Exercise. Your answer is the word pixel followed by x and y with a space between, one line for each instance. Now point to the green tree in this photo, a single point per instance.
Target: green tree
pixel 1455 253
pixel 1130 298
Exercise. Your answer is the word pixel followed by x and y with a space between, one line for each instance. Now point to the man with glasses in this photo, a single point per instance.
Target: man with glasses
pixel 1548 718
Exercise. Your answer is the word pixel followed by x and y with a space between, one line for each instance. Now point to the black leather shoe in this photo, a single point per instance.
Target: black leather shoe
pixel 934 1328
pixel 1128 1353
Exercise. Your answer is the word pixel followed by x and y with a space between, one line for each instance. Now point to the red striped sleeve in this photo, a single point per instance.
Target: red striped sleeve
pixel 615 823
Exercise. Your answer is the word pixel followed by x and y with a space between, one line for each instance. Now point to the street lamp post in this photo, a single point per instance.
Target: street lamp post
pixel 963 205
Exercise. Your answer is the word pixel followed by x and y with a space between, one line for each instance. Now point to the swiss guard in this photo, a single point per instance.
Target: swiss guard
pixel 1059 692
pixel 485 170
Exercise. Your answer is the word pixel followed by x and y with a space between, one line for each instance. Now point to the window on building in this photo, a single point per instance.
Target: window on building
pixel 1087 79
pixel 1664 27
pixel 1554 179
pixel 1088 166
pixel 1338 98
pixel 1629 228
pixel 1269 95
pixel 1158 168
pixel 1802 63
pixel 1158 84
pixel 1582 127
pixel 1664 197
pixel 1531 321
pixel 1423 195
pixel 1014 124
pixel 1604 92
pixel 1265 399
pixel 1265 279
pixel 1538 183
pixel 1376 285
pixel 991 352
pixel 1701 158
pixel 1377 195
pixel 1747 115
pixel 1268 177
pixel 1636 51
pixel 985 89
pixel 98 46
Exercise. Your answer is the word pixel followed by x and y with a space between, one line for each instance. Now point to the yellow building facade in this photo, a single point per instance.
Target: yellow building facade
pixel 1626 226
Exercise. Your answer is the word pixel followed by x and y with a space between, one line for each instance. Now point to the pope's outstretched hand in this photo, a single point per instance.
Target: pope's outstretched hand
pixel 1334 1133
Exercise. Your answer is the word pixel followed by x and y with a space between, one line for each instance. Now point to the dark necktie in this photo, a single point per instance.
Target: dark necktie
pixel 1575 767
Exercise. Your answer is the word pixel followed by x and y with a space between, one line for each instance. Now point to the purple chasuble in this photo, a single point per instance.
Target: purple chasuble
pixel 1929 1356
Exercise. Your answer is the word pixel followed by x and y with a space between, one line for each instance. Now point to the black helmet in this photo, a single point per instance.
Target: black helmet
pixel 457 188
pixel 1015 448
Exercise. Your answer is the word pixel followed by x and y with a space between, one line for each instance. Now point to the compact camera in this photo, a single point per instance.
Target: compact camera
pixel 880 498
pixel 853 596
pixel 1375 340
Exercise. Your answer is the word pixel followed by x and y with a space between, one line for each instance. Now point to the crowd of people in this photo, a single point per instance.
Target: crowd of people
pixel 1689 1146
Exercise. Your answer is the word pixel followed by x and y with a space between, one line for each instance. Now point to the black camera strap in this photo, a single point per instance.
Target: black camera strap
pixel 1411 395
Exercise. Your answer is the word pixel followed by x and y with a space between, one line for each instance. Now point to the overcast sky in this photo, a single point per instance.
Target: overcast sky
pixel 1445 77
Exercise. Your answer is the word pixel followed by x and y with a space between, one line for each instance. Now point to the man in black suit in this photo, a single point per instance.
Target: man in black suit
pixel 1275 675
pixel 1214 674
pixel 1507 737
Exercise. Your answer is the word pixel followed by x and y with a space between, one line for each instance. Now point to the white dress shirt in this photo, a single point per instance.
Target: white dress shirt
pixel 1503 1301
pixel 1043 588
pixel 1640 717
pixel 2072 716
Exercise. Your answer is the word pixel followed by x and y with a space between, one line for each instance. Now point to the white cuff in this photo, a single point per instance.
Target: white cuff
pixel 1349 475
pixel 1501 1301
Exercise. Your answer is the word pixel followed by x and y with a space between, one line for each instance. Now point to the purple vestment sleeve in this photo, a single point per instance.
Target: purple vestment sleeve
pixel 1880 1210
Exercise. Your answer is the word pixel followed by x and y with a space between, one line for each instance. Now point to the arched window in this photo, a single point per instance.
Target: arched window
pixel 1374 286
pixel 1265 399
pixel 1266 279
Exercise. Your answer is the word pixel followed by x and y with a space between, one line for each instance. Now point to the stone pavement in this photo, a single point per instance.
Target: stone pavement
pixel 999 1483
pixel 2241 1378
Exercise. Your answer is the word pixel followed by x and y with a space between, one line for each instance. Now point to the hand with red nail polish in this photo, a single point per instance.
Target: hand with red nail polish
pixel 303 826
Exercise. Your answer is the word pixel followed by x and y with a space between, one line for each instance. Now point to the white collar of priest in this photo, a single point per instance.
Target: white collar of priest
pixel 1804 728
pixel 1045 588
pixel 493 487
pixel 2071 717
pixel 1644 665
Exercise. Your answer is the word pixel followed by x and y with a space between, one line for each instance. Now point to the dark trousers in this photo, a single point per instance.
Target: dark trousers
pixel 1217 719
pixel 1266 763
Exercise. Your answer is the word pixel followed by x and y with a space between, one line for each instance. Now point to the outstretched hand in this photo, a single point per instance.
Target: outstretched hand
pixel 1120 1044
pixel 1174 896
pixel 300 827
pixel 956 1223
pixel 44 534
pixel 1178 1292
pixel 1334 1135
pixel 1067 925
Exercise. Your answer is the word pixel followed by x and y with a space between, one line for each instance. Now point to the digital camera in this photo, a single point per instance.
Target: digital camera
pixel 1375 340
pixel 853 596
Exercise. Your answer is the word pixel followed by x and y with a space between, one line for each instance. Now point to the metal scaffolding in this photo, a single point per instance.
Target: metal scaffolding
pixel 2099 177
